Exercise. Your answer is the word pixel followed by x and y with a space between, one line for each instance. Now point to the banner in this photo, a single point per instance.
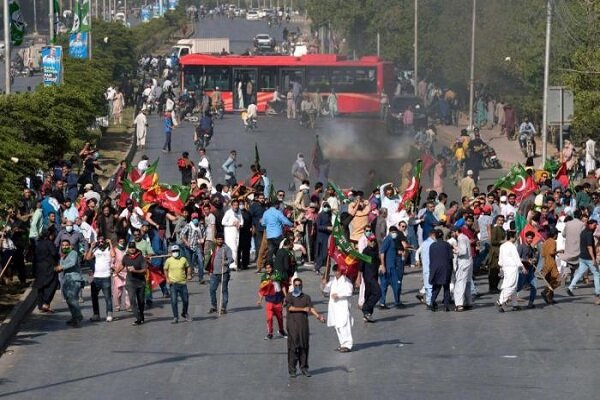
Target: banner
pixel 17 23
pixel 78 45
pixel 52 65
pixel 84 15
pixel 146 14
pixel 76 21
pixel 56 18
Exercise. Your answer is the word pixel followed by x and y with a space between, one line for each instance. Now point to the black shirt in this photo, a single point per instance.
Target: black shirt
pixel 587 239
pixel 370 271
pixel 137 262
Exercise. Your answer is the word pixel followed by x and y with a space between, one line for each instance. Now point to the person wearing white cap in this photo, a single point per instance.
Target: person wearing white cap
pixel 467 184
pixel 177 272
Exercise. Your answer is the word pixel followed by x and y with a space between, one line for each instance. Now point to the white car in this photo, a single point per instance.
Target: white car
pixel 252 15
pixel 264 40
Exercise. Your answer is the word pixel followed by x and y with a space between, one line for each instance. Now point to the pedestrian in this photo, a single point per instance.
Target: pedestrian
pixel 587 260
pixel 299 171
pixel 229 167
pixel 218 268
pixel 529 258
pixel 367 274
pixel 46 258
pixel 332 104
pixel 177 272
pixel 291 107
pixel 273 220
pixel 340 291
pixel 511 263
pixel 440 269
pixel 187 168
pixel 72 281
pixel 497 237
pixel 135 265
pixel 232 223
pixel 467 184
pixel 168 127
pixel 193 236
pixel 103 255
pixel 464 272
pixel 245 238
pixel 117 106
pixel 271 290
pixel 550 272
pixel 299 306
pixel 324 228
pixel 119 277
pixel 389 253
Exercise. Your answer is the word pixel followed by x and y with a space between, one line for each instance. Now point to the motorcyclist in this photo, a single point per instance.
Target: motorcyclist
pixel 526 130
pixel 217 99
pixel 204 127
pixel 251 114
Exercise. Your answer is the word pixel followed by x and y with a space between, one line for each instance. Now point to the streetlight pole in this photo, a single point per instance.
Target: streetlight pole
pixel 35 31
pixel 51 19
pixel 7 45
pixel 546 78
pixel 472 79
pixel 416 47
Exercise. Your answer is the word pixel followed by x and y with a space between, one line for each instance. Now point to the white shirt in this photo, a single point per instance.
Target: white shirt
pixel 338 310
pixel 204 163
pixel 142 165
pixel 507 209
pixel 88 232
pixel 252 111
pixel 509 256
pixel 230 218
pixel 103 263
pixel 169 105
pixel 136 217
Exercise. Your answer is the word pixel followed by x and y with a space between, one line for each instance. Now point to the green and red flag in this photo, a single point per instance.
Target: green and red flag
pixel 413 191
pixel 149 177
pixel 562 176
pixel 131 191
pixel 339 193
pixel 522 227
pixel 173 197
pixel 517 181
pixel 132 173
pixel 343 244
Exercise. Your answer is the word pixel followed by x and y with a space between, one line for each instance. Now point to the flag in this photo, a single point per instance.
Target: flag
pixel 536 237
pixel 551 166
pixel 562 176
pixel 84 15
pixel 173 197
pixel 149 177
pixel 76 18
pixel 155 277
pixel 517 181
pixel 17 23
pixel 317 157
pixel 256 157
pixel 344 245
pixel 131 191
pixel 132 173
pixel 413 191
pixel 56 19
pixel 341 195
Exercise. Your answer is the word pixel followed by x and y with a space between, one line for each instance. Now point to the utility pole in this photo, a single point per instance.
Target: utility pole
pixel 546 78
pixel 472 79
pixel 378 44
pixel 51 19
pixel 7 45
pixel 35 31
pixel 416 47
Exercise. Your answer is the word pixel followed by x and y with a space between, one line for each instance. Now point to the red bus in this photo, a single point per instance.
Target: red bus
pixel 357 83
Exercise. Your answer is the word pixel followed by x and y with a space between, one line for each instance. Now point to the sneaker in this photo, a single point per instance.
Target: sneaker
pixel 136 323
pixel 269 336
pixel 283 334
pixel 420 297
pixel 223 311
pixel 175 321
pixel 383 307
pixel 95 318
pixel 109 318
pixel 212 310
pixel 186 317
pixel 499 307
pixel 368 318
pixel 344 350
pixel 570 292
pixel 306 373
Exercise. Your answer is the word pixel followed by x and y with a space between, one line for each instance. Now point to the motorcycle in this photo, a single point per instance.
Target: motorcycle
pixel 218 111
pixel 490 159
pixel 250 124
pixel 202 137
pixel 527 149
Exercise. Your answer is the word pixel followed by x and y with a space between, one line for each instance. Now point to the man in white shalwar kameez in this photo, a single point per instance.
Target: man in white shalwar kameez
pixel 141 128
pixel 338 312
pixel 510 262
pixel 232 222
pixel 590 156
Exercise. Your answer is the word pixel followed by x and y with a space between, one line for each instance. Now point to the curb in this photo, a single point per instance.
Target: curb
pixel 10 325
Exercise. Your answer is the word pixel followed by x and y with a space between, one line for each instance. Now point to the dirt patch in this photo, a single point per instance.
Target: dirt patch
pixel 114 145
pixel 9 296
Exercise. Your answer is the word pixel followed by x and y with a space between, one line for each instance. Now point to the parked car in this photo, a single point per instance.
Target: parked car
pixel 264 41
pixel 398 105
pixel 252 15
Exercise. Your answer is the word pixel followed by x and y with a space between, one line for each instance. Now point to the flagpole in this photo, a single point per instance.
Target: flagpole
pixel 6 49
pixel 89 31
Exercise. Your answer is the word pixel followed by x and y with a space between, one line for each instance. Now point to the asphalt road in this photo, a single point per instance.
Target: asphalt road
pixel 547 353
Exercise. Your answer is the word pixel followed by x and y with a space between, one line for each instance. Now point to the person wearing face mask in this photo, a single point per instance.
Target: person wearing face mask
pixel 302 199
pixel 68 233
pixel 193 236
pixel 72 281
pixel 103 254
pixel 177 269
pixel 324 228
pixel 299 306
pixel 389 270
pixel 368 275
pixel 118 278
